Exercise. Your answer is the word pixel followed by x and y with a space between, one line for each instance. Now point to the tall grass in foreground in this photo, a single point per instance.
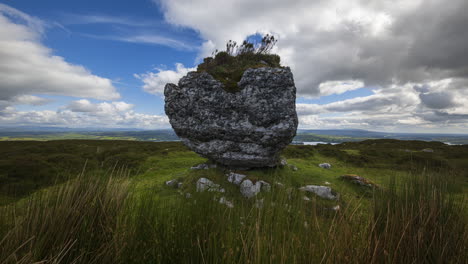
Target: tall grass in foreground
pixel 73 222
pixel 95 220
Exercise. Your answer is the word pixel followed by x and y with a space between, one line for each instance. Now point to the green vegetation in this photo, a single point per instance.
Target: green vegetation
pixel 118 210
pixel 147 135
pixel 310 137
pixel 26 166
pixel 229 66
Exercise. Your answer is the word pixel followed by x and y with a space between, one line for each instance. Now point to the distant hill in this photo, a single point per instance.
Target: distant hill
pixel 343 135
pixel 303 135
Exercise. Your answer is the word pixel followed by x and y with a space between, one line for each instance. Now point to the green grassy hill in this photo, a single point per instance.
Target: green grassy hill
pixel 106 202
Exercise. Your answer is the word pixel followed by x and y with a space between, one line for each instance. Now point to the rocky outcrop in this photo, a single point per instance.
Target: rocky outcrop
pixel 244 129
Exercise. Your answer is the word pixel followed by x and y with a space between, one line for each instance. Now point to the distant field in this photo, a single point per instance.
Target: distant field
pixel 26 166
pixel 332 136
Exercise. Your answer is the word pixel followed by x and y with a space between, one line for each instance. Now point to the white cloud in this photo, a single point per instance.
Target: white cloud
pixel 154 82
pixel 83 113
pixel 413 53
pixel 339 87
pixel 30 100
pixel 105 108
pixel 28 67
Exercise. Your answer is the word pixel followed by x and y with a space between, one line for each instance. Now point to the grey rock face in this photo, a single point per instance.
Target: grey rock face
pixel 243 129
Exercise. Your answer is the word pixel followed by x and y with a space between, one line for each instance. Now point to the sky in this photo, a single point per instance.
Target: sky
pixel 397 66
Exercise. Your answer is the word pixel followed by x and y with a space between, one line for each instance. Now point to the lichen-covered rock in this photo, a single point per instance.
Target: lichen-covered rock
pixel 203 184
pixel 249 189
pixel 203 166
pixel 356 179
pixel 325 165
pixel 235 178
pixel 244 129
pixel 322 191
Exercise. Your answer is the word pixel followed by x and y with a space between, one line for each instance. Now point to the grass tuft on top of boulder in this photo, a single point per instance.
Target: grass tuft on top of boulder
pixel 228 66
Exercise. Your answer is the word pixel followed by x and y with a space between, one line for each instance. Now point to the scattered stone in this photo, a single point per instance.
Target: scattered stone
pixel 265 186
pixel 292 167
pixel 172 183
pixel 203 184
pixel 235 178
pixel 283 163
pixel 248 189
pixel 356 179
pixel 204 166
pixel 322 191
pixel 336 208
pixel 248 128
pixel 427 150
pixel 305 198
pixel 179 185
pixel 325 165
pixel 327 183
pixel 224 201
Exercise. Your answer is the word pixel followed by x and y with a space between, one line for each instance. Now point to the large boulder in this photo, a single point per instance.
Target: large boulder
pixel 243 129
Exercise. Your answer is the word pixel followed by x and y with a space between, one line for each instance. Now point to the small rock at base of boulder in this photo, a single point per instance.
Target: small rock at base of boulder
pixel 322 191
pixel 325 165
pixel 204 166
pixel 249 189
pixel 203 184
pixel 356 179
pixel 235 178
pixel 427 150
pixel 265 186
